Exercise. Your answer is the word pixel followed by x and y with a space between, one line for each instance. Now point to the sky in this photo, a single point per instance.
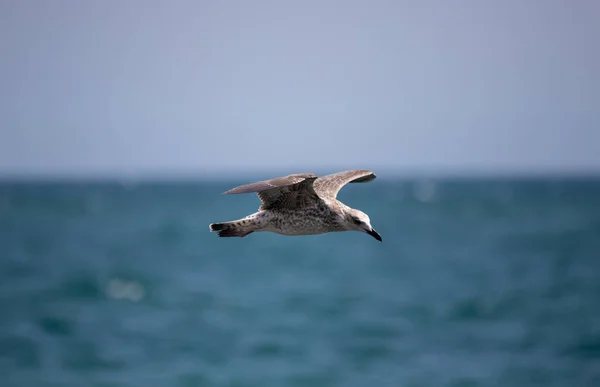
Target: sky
pixel 202 87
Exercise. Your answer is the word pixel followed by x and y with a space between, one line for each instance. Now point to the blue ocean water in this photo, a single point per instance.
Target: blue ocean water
pixel 476 283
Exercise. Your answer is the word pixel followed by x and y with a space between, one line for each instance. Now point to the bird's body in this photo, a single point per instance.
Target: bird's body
pixel 307 221
pixel 300 204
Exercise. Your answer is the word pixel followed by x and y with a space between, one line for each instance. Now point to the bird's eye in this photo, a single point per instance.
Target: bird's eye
pixel 356 220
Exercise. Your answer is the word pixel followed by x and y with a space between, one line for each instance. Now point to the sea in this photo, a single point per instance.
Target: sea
pixel 478 282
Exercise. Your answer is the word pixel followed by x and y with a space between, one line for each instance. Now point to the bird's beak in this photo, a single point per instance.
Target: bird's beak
pixel 374 234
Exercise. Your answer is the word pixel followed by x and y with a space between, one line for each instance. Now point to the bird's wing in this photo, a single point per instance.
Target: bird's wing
pixel 292 191
pixel 329 186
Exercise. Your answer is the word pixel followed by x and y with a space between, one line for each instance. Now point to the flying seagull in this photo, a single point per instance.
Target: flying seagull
pixel 300 204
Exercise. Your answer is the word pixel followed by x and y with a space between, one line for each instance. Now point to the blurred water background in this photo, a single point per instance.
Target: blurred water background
pixel 477 283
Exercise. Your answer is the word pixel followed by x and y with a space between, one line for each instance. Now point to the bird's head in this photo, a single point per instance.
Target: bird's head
pixel 359 221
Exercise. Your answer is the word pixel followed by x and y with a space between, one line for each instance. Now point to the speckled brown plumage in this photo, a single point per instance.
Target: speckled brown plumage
pixel 300 204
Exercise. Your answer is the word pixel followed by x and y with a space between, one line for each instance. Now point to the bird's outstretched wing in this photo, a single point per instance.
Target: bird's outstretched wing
pixel 329 186
pixel 292 191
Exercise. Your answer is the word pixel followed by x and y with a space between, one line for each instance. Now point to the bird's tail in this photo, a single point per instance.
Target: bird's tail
pixel 237 228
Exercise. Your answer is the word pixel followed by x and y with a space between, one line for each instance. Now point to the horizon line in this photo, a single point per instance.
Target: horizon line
pixel 383 173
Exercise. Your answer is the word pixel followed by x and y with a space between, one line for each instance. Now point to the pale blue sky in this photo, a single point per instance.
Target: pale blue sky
pixel 159 87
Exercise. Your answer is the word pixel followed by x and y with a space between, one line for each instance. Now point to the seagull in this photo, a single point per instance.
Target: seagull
pixel 300 204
